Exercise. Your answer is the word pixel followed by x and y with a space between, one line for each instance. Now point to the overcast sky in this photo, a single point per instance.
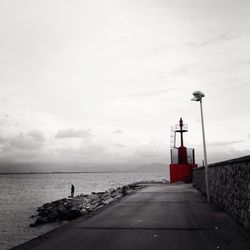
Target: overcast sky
pixel 104 80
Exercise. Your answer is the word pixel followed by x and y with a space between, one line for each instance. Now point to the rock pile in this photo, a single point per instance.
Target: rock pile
pixel 71 208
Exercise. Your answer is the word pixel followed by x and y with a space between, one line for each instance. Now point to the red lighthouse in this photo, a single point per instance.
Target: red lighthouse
pixel 182 158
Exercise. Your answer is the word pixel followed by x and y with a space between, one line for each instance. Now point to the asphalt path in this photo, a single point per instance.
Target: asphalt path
pixel 159 216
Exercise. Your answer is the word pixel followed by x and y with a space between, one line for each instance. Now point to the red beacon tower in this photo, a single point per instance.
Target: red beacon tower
pixel 182 158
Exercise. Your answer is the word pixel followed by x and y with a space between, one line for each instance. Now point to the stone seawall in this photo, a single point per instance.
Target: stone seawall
pixel 229 183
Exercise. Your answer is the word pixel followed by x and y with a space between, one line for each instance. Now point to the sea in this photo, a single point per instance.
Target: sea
pixel 22 194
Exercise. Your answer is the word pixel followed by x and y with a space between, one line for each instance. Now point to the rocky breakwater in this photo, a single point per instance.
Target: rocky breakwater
pixel 71 208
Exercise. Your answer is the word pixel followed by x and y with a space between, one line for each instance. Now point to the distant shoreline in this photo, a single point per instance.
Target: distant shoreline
pixel 84 172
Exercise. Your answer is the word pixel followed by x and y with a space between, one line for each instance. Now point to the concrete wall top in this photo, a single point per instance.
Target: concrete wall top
pixel 236 160
pixel 198 168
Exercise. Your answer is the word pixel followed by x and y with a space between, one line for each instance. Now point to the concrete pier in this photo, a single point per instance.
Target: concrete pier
pixel 159 216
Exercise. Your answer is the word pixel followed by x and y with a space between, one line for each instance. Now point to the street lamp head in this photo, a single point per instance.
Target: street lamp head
pixel 198 95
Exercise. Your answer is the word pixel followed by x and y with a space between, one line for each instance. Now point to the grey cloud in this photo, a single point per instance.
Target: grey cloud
pixel 5 121
pixel 155 151
pixel 221 144
pixel 72 133
pixel 185 69
pixel 118 131
pixel 119 145
pixel 213 40
pixel 226 154
pixel 92 149
pixel 160 49
pixel 88 152
pixel 37 135
pixel 224 37
pixel 30 141
pixel 3 141
pixel 152 93
pixel 25 141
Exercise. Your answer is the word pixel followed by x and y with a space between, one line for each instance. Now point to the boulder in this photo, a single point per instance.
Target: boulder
pixel 107 201
pixel 44 211
pixel 62 212
pixel 124 190
pixel 73 213
pixel 115 193
pixel 83 211
pixel 99 205
pixel 41 220
pixel 68 206
pixel 118 196
pixel 95 201
pixel 52 216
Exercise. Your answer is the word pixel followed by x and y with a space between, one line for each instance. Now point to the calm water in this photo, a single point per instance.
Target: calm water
pixel 21 194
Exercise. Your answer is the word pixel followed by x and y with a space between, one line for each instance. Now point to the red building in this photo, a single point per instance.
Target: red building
pixel 182 158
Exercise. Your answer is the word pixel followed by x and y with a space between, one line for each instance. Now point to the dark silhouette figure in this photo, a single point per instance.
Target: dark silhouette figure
pixel 72 190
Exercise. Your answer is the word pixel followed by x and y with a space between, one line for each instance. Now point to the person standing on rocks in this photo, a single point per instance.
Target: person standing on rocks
pixel 72 190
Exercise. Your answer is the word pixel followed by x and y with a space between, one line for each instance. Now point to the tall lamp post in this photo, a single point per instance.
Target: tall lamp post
pixel 197 96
